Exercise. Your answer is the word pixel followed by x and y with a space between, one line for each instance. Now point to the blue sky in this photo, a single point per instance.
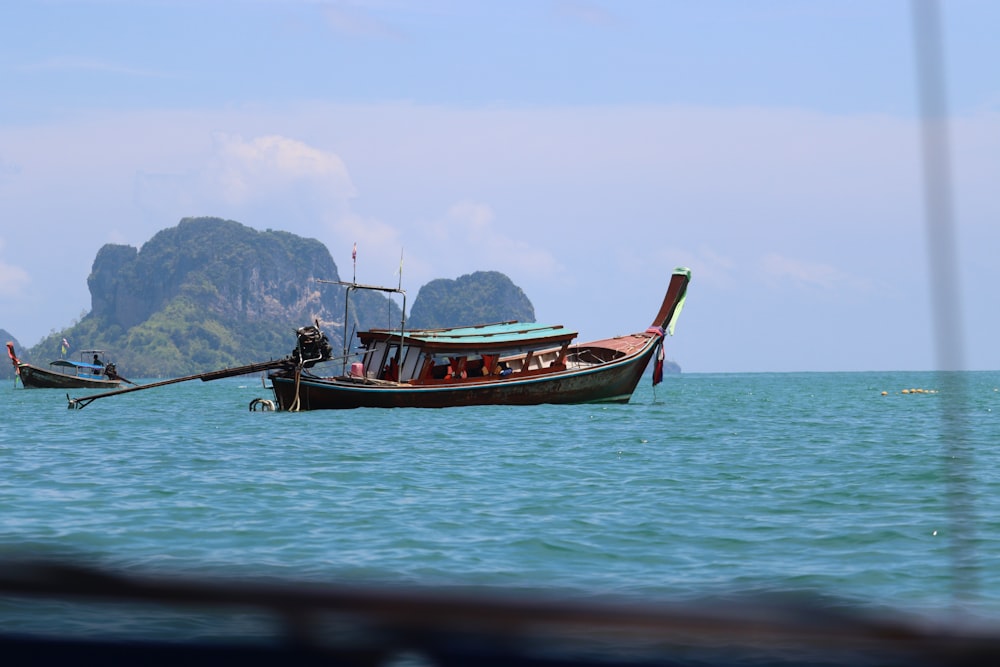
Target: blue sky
pixel 585 149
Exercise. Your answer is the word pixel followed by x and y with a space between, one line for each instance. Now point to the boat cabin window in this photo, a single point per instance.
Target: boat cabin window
pixel 375 359
pixel 385 361
pixel 389 364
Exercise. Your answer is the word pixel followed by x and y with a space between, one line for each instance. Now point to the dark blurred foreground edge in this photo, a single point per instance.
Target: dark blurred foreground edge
pixel 315 624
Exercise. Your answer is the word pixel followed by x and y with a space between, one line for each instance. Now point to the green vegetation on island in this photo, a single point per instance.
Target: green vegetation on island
pixel 478 298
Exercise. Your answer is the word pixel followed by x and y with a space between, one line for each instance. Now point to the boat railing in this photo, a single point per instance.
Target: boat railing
pixel 351 286
pixel 586 357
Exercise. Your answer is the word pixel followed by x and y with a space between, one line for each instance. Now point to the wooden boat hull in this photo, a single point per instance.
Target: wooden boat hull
pixel 33 377
pixel 612 382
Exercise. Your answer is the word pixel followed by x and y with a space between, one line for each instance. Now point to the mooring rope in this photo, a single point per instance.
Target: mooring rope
pixel 294 407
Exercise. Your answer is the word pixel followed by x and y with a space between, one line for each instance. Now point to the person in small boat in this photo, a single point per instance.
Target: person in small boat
pixel 97 361
pixel 505 370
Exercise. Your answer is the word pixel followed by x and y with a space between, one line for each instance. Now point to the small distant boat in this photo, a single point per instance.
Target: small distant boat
pixel 91 372
pixel 508 363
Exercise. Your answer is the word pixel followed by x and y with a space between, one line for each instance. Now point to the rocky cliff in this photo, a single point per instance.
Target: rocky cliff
pixel 476 298
pixel 212 293
pixel 233 273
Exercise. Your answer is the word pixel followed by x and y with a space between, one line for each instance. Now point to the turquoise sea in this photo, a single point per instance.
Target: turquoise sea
pixel 707 485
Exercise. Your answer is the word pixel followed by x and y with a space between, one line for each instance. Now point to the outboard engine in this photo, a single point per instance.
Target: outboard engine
pixel 313 346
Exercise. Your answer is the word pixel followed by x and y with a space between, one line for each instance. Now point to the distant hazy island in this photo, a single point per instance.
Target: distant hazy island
pixel 212 293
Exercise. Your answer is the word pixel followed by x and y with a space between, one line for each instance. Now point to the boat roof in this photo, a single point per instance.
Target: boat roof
pixel 483 337
pixel 74 364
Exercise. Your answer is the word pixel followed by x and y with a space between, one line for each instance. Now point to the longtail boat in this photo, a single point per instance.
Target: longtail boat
pixel 90 372
pixel 506 363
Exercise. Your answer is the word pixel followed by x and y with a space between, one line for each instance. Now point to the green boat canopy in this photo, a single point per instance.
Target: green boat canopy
pixel 486 337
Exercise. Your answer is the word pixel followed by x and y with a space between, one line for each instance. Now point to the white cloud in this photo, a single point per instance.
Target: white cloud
pixel 358 22
pixel 586 12
pixel 244 170
pixel 378 247
pixel 475 219
pixel 13 279
pixel 463 239
pixel 805 274
pixel 78 64
pixel 470 226
pixel 711 267
pixel 263 181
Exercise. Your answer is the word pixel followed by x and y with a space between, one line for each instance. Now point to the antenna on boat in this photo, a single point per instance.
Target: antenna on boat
pixel 402 318
pixel 402 313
